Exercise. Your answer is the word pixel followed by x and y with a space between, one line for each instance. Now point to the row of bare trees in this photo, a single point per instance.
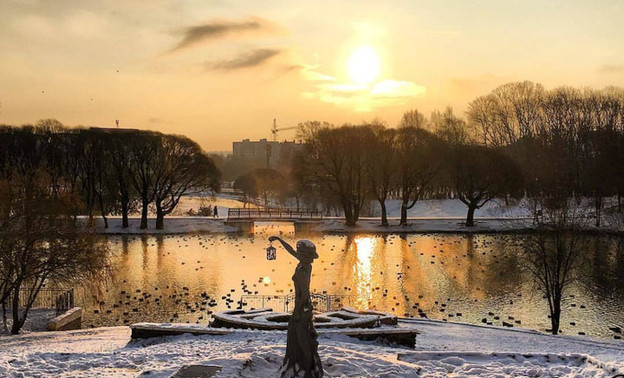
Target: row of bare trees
pixel 568 141
pixel 50 174
pixel 356 163
pixel 109 171
pixel 520 140
pixel 41 243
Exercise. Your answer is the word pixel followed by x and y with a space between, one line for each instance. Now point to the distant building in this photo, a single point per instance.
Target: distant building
pixel 264 152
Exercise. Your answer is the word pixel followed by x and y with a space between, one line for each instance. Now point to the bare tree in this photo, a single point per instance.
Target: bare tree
pixel 307 130
pixel 178 167
pixel 41 243
pixel 511 112
pixel 337 162
pixel 449 128
pixel 414 118
pixel 479 174
pixel 382 166
pixel 418 162
pixel 144 149
pixel 554 253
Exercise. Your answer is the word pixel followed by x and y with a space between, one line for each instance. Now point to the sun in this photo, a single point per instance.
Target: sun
pixel 363 65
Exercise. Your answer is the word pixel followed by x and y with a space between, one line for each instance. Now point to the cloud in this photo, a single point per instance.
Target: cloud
pixel 397 89
pixel 611 68
pixel 361 97
pixel 214 30
pixel 252 59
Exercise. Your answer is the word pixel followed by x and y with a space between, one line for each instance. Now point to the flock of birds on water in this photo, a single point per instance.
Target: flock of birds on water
pixel 172 303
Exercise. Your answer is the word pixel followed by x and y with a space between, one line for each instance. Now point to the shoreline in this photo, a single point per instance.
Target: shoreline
pixel 441 225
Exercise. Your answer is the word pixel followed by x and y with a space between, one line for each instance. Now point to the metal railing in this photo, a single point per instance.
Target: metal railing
pixel 238 213
pixel 59 299
pixel 321 302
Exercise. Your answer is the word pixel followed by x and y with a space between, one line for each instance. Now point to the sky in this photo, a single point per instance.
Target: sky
pixel 219 71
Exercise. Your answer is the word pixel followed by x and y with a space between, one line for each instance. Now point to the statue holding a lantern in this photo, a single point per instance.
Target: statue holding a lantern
pixel 301 345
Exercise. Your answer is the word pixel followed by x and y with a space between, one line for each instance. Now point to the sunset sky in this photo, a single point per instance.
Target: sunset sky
pixel 219 71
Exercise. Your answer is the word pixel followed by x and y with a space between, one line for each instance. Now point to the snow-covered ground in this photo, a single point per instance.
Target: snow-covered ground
pixel 454 208
pixel 423 225
pixel 173 225
pixel 442 349
pixel 446 215
pixel 37 319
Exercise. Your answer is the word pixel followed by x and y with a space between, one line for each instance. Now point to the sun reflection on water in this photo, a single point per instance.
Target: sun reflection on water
pixel 362 270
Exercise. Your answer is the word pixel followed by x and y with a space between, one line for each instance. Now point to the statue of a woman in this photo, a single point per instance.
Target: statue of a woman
pixel 301 345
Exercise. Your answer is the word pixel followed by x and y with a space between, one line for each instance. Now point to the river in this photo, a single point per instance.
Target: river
pixel 452 277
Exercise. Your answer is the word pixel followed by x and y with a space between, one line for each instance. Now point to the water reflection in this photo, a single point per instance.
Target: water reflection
pixel 449 277
pixel 363 248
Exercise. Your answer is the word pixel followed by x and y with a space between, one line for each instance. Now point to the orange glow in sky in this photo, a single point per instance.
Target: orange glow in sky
pixel 222 71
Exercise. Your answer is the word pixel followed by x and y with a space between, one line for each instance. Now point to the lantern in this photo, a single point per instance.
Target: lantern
pixel 271 252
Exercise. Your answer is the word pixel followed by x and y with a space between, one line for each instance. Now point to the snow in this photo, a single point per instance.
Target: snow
pixel 173 225
pixel 442 349
pixel 423 225
pixel 37 319
pixel 454 208
pixel 446 215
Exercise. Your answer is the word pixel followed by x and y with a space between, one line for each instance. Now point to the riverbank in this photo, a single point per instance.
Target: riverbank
pixel 206 225
pixel 441 349
pixel 173 225
pixel 427 216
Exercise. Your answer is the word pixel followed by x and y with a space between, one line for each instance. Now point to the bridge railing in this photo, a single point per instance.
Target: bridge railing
pixel 59 299
pixel 238 213
pixel 321 302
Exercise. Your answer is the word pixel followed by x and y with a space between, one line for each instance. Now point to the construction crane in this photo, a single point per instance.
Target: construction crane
pixel 274 129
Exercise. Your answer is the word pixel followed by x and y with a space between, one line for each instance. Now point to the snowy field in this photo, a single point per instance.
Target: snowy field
pixel 443 349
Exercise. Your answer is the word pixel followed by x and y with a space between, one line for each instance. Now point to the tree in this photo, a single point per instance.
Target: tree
pixel 261 182
pixel 337 161
pixel 178 167
pixel 119 153
pixel 448 127
pixel 41 242
pixel 479 174
pixel 511 112
pixel 414 118
pixel 382 166
pixel 144 150
pixel 418 155
pixel 307 130
pixel 554 253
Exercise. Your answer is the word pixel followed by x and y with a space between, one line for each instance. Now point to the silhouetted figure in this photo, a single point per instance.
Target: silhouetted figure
pixel 216 212
pixel 301 345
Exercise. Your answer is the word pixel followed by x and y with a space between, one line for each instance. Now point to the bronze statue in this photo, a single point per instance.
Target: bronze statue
pixel 301 345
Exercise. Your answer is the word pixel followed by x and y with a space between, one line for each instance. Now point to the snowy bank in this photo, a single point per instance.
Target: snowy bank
pixel 441 349
pixel 173 225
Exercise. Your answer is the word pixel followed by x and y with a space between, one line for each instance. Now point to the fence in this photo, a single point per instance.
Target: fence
pixel 237 213
pixel 59 299
pixel 321 302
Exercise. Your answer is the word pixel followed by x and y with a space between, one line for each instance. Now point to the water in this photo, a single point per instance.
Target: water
pixel 448 277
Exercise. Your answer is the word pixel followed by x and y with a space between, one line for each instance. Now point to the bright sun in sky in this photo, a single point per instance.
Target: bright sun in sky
pixel 363 65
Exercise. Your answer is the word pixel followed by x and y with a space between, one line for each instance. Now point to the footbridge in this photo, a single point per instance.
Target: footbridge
pixel 244 219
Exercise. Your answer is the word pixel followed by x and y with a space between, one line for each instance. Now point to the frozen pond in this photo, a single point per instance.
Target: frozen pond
pixel 459 278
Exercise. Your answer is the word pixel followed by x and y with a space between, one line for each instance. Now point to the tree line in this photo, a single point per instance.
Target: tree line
pixel 50 174
pixel 109 171
pixel 521 140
